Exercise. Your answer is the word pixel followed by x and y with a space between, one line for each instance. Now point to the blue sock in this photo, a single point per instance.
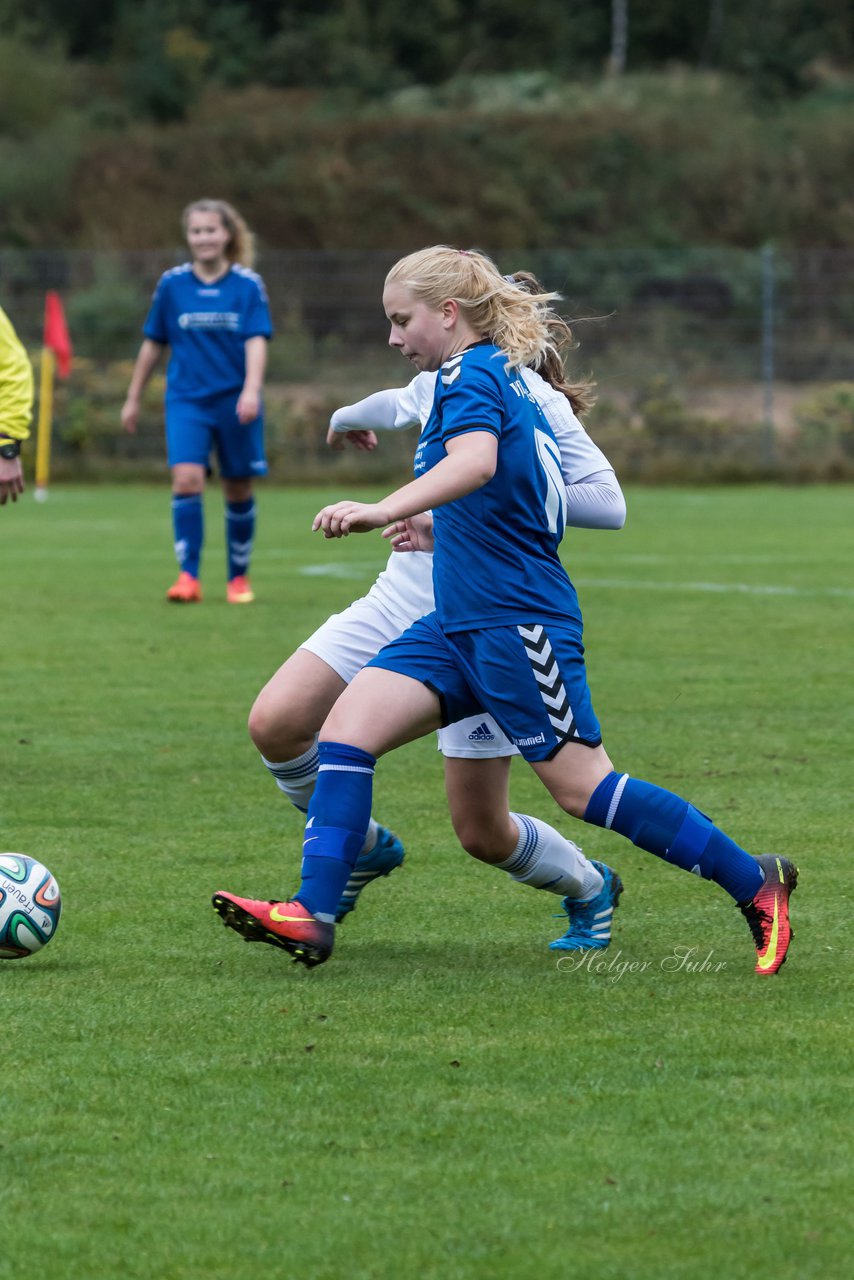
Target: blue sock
pixel 672 829
pixel 188 523
pixel 338 818
pixel 239 536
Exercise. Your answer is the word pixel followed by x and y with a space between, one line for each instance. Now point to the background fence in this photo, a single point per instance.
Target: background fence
pixel 717 363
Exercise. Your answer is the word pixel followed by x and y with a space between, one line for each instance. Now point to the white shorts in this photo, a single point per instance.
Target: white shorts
pixel 476 738
pixel 347 640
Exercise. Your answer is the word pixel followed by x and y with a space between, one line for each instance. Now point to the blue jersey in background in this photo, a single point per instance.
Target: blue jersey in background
pixel 496 555
pixel 206 326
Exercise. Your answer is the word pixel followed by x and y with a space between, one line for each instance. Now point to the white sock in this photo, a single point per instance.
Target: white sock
pixel 545 859
pixel 371 836
pixel 296 778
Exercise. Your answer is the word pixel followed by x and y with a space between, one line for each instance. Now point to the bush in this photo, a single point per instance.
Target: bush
pixel 106 319
pixel 822 443
pixel 656 438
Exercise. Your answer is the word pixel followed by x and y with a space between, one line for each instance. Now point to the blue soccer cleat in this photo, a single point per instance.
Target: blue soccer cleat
pixel 590 919
pixel 386 854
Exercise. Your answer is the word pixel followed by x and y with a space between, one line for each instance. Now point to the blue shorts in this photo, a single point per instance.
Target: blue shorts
pixel 197 428
pixel 531 679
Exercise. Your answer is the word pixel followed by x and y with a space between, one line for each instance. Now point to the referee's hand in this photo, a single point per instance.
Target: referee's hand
pixel 11 479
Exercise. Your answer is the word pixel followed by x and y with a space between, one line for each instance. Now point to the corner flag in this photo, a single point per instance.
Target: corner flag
pixel 56 353
pixel 56 333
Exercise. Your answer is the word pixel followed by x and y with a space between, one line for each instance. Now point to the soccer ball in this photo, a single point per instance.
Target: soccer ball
pixel 30 906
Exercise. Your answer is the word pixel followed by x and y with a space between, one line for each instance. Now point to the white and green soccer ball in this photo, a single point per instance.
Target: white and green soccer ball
pixel 30 906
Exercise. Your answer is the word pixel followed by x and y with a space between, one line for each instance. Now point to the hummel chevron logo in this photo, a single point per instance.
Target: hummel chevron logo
pixel 240 552
pixel 547 675
pixel 540 656
pixel 547 680
pixel 564 727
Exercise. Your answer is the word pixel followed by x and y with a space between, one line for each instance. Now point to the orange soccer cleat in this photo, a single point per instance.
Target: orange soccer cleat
pixel 239 591
pixel 768 913
pixel 283 924
pixel 186 590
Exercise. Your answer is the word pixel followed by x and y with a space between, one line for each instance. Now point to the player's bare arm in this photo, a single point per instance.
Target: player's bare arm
pixel 146 362
pixel 249 401
pixel 470 464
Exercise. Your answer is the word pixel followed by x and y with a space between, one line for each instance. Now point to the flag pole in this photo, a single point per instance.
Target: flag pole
pixel 45 424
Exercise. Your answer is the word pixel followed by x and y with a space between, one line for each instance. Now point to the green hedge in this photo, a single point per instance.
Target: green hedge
pixel 653 436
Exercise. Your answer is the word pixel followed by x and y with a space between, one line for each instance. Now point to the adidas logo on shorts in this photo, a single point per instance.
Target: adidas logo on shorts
pixel 482 734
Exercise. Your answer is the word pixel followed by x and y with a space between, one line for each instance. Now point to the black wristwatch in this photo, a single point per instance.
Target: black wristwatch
pixel 10 449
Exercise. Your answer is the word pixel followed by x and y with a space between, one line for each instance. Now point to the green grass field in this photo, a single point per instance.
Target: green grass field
pixel 443 1100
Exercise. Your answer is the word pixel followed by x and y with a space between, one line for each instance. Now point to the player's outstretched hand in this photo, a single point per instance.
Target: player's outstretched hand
pixel 342 518
pixel 363 440
pixel 414 534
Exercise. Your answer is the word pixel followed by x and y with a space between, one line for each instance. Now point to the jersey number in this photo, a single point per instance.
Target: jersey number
pixel 549 455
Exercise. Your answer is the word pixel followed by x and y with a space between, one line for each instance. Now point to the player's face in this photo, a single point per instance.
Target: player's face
pixel 419 332
pixel 207 237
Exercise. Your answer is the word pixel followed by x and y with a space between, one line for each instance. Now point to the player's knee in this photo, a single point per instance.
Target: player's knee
pixel 187 487
pixel 237 490
pixel 258 726
pixel 278 730
pixel 481 837
pixel 266 729
pixel 473 841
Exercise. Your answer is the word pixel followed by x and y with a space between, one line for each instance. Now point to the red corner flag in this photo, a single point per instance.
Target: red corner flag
pixel 56 333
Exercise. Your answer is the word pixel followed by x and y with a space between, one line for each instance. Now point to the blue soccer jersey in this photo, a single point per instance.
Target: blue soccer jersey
pixel 206 326
pixel 496 556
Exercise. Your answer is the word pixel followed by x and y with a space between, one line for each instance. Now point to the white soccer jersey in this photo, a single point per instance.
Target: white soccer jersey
pixel 415 401
pixel 579 456
pixel 403 592
pixel 404 589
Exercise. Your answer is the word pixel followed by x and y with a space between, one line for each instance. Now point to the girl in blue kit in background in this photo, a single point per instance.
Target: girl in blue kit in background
pixel 506 634
pixel 213 314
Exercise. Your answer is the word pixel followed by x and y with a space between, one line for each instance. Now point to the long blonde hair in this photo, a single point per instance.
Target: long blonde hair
pixel 241 244
pixel 515 315
pixel 581 394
